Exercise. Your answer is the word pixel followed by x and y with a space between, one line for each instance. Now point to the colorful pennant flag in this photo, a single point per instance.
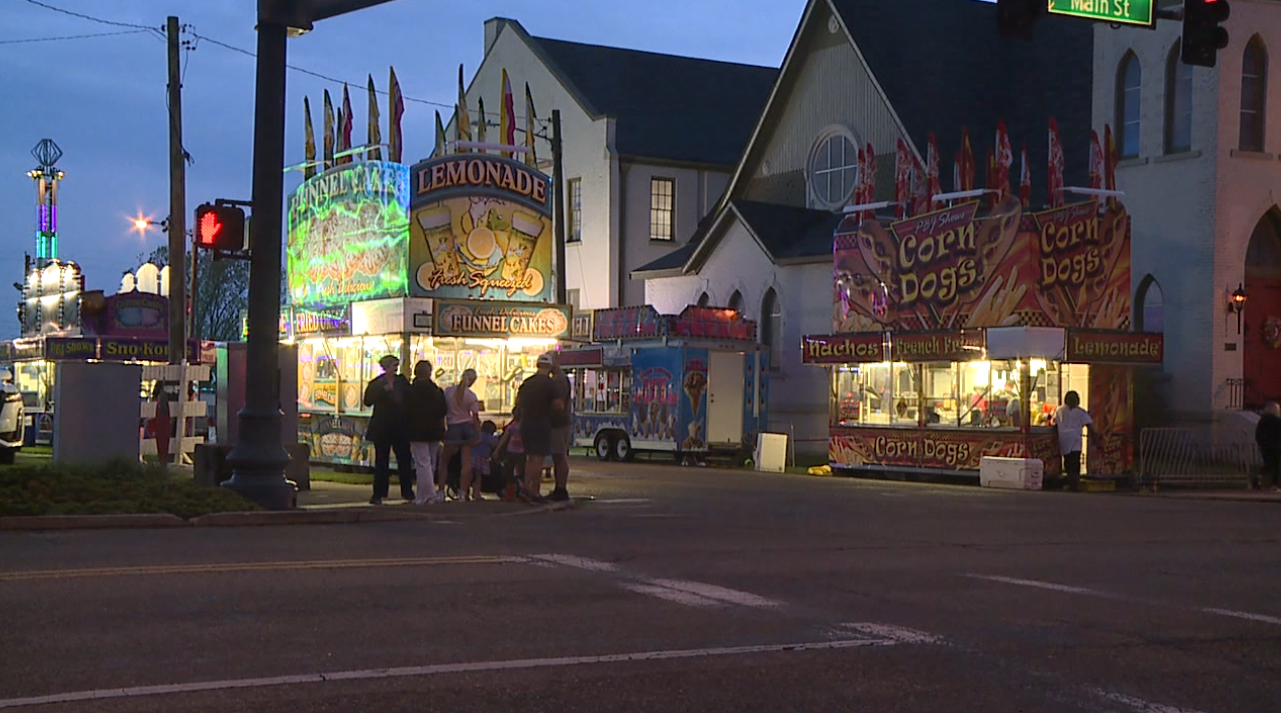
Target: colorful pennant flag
pixel 932 183
pixel 958 171
pixel 969 170
pixel 1025 180
pixel 507 117
pixel 902 180
pixel 531 156
pixel 480 120
pixel 1004 158
pixel 329 131
pixel 1109 163
pixel 991 177
pixel 440 138
pixel 920 188
pixel 375 153
pixel 462 118
pixel 1096 161
pixel 345 124
pixel 1054 180
pixel 309 153
pixel 396 106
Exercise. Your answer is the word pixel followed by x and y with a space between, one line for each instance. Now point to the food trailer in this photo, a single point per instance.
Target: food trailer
pixel 957 333
pixel 687 384
pixel 447 261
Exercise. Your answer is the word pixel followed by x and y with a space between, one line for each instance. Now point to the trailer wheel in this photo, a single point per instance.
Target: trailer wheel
pixel 603 447
pixel 621 449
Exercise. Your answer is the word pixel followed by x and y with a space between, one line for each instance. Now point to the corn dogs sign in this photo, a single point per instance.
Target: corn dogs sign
pixel 957 269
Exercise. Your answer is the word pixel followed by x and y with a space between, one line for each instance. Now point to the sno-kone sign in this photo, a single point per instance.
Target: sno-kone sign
pixel 480 228
pixel 957 269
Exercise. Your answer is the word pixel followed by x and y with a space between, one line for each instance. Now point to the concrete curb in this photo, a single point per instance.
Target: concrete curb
pixel 90 522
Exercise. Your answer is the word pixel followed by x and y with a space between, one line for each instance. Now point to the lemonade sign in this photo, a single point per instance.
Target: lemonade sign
pixel 480 228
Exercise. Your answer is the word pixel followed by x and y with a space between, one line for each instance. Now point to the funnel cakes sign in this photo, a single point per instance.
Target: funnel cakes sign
pixel 958 268
pixel 480 228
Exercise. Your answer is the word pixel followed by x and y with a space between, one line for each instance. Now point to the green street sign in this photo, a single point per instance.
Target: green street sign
pixel 1125 12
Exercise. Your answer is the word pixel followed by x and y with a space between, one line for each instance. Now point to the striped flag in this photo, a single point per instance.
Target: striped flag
pixel 375 131
pixel 329 131
pixel 507 119
pixel 396 106
pixel 461 117
pixel 1025 181
pixel 1004 158
pixel 902 180
pixel 869 180
pixel 480 120
pixel 991 176
pixel 1054 180
pixel 932 184
pixel 1096 161
pixel 440 138
pixel 920 188
pixel 969 169
pixel 309 153
pixel 345 124
pixel 531 156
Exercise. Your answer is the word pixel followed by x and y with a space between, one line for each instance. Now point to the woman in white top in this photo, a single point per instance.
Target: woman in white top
pixel 1069 419
pixel 462 430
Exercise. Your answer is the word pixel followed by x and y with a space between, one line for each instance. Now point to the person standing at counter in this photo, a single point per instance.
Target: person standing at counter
pixel 388 394
pixel 1069 419
pixel 427 410
pixel 461 432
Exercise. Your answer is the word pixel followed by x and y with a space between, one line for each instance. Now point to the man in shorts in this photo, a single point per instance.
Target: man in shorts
pixel 537 396
pixel 562 421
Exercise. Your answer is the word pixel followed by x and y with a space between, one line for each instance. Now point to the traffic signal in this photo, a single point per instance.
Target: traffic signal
pixel 1014 18
pixel 1202 36
pixel 220 227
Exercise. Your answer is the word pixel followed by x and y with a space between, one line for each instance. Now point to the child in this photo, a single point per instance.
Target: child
pixel 511 454
pixel 481 455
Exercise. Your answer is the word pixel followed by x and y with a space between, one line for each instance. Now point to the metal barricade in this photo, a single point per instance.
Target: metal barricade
pixel 1195 457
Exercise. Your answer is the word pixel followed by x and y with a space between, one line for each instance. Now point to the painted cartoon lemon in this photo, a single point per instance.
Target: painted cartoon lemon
pixel 481 243
pixel 535 282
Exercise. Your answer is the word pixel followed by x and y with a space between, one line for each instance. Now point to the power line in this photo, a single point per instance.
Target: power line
pixel 73 37
pixel 91 18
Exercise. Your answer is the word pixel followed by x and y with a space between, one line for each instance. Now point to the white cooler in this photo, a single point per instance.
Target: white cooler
pixel 1013 473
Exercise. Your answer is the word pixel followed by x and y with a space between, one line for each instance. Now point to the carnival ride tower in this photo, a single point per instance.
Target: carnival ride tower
pixel 46 175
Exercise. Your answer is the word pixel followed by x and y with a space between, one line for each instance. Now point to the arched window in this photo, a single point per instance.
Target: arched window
pixel 833 167
pixel 702 300
pixel 1254 94
pixel 772 327
pixel 1178 103
pixel 1128 80
pixel 736 301
pixel 1149 307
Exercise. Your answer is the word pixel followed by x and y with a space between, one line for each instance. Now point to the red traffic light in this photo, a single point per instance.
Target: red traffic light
pixel 220 227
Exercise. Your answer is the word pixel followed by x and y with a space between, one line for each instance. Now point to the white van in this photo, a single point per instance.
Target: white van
pixel 12 417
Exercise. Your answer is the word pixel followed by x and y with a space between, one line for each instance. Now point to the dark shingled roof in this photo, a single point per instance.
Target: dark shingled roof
pixel 668 107
pixel 944 67
pixel 789 232
pixel 673 260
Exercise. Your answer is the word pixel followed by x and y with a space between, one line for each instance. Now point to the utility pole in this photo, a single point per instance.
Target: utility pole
pixel 558 210
pixel 177 205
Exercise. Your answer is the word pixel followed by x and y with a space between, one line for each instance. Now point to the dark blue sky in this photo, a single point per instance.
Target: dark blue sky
pixel 102 99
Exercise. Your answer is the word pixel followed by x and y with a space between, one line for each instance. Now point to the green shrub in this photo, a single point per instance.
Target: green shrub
pixel 115 487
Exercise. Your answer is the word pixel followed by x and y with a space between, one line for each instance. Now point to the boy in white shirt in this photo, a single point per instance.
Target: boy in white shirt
pixel 1069 419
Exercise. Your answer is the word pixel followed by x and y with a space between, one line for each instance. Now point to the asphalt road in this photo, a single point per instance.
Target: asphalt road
pixel 677 589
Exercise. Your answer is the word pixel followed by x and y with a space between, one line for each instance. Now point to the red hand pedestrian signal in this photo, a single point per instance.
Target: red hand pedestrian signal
pixel 220 227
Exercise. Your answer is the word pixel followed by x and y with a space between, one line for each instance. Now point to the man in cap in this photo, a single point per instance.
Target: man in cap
pixel 389 394
pixel 538 403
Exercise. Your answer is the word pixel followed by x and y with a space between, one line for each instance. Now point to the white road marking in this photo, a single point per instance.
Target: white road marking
pixel 578 562
pixel 1262 618
pixel 711 591
pixel 408 671
pixel 1041 585
pixel 901 634
pixel 1243 615
pixel 1137 704
pixel 671 595
pixel 623 501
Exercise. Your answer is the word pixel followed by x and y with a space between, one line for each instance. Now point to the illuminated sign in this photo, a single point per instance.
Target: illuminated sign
pixel 843 348
pixel 51 299
pixel 581 329
pixel 1123 12
pixel 626 323
pixel 480 229
pixel 937 346
pixel 473 318
pixel 155 350
pixel 1102 347
pixel 320 320
pixel 348 234
pixel 937 448
pixel 63 349
pixel 712 323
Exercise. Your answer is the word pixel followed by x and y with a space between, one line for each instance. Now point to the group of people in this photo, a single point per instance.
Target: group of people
pixel 425 426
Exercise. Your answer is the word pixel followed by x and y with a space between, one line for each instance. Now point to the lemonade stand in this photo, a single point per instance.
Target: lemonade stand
pixel 448 261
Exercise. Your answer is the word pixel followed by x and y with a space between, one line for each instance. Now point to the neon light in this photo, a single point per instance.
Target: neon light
pixel 349 234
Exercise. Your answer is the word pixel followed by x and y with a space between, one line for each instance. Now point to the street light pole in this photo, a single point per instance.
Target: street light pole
pixel 258 459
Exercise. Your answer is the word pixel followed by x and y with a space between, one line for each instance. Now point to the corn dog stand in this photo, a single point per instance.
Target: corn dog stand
pixel 957 333
pixel 448 261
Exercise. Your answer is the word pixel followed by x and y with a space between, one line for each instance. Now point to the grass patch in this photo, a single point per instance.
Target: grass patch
pixel 112 488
